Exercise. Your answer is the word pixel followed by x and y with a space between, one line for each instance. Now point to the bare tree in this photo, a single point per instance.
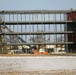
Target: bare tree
pixel 60 39
pixel 38 38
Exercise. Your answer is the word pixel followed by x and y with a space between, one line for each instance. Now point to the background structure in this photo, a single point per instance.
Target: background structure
pixel 38 27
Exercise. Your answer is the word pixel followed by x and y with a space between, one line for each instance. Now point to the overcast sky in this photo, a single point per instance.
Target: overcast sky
pixel 37 4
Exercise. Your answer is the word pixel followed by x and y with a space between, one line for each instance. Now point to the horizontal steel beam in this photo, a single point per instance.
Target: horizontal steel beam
pixel 35 22
pixel 36 33
pixel 35 11
pixel 63 43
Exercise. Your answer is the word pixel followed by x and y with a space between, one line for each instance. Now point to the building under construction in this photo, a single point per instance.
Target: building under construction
pixel 51 29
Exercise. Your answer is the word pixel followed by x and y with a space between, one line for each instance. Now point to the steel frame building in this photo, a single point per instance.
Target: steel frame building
pixel 52 25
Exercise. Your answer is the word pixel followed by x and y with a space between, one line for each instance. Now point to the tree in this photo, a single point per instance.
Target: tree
pixel 60 39
pixel 38 38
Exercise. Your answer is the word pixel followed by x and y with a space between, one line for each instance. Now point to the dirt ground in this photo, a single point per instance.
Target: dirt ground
pixel 53 72
pixel 9 55
pixel 48 72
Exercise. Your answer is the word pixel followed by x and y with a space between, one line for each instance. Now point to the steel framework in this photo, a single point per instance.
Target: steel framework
pixel 36 11
pixel 51 24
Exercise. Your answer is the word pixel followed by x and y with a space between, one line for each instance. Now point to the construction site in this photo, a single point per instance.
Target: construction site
pixel 37 31
pixel 29 38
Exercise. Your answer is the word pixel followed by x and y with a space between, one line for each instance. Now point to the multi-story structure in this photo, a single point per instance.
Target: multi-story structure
pixel 38 27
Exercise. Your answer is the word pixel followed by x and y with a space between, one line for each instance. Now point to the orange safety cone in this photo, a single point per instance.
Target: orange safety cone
pixel 45 53
pixel 36 53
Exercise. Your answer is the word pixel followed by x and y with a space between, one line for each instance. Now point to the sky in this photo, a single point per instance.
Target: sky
pixel 37 4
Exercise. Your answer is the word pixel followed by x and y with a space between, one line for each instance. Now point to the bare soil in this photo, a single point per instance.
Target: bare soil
pixel 53 72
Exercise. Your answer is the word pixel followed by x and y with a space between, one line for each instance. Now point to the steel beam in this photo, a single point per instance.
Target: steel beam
pixel 55 43
pixel 36 11
pixel 35 22
pixel 36 33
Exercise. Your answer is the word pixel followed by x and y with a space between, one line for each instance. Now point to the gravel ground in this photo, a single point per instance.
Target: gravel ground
pixel 38 65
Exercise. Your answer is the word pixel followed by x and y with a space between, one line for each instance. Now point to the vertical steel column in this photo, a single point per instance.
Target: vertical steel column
pixel 13 30
pixel 49 28
pixel 16 36
pixel 30 29
pixel 37 27
pixel 37 20
pixel 21 26
pixel 61 29
pixel 42 21
pixel 44 31
pixel 66 35
pixel 9 21
pixel 17 23
pixel 55 35
pixel 9 28
pixel 25 29
pixel 29 26
pixel 33 24
pixel 54 27
pixel 13 25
